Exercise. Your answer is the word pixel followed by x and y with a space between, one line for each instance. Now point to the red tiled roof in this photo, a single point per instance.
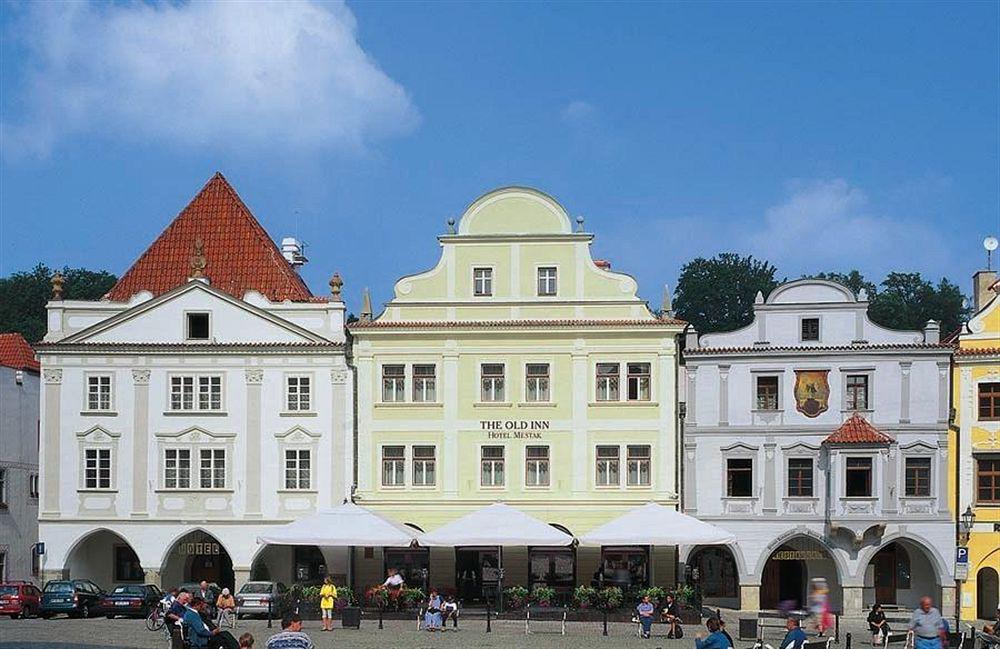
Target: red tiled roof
pixel 457 324
pixel 239 253
pixel 15 352
pixel 980 351
pixel 857 430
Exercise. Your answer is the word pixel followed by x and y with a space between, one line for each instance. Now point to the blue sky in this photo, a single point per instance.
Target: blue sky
pixel 818 136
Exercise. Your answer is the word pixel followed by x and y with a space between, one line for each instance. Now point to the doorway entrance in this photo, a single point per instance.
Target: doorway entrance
pixel 987 593
pixel 477 574
pixel 198 556
pixel 884 563
pixel 790 568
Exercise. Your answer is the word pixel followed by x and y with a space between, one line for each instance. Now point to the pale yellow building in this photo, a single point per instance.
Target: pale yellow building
pixel 976 396
pixel 521 370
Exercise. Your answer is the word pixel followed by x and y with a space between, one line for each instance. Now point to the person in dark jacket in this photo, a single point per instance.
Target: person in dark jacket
pixel 877 624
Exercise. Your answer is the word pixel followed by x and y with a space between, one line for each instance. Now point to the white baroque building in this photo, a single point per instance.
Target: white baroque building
pixel 820 439
pixel 206 398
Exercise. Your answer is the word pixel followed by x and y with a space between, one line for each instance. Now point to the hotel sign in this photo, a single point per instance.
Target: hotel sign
pixel 514 428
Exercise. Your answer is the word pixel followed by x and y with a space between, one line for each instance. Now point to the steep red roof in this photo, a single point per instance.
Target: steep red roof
pixel 239 254
pixel 857 430
pixel 15 352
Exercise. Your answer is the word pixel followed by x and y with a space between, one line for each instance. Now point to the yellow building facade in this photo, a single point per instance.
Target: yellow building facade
pixel 517 370
pixel 976 400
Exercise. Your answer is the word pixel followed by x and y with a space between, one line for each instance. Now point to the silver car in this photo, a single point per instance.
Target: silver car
pixel 255 596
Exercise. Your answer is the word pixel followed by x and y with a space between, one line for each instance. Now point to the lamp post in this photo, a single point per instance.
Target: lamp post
pixel 966 522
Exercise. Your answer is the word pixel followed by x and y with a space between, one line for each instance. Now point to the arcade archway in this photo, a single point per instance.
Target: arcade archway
pixel 105 558
pixel 197 556
pixel 791 567
pixel 900 573
pixel 987 593
pixel 717 576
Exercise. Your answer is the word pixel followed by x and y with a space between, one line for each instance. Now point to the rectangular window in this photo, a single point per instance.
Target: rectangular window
pixel 857 391
pixel 197 326
pixel 182 393
pixel 739 477
pixel 536 382
pixel 989 401
pixel 638 466
pixel 638 381
pixel 858 477
pixel 547 281
pixel 917 477
pixel 800 477
pixel 99 392
pixel 810 329
pixel 393 466
pixel 298 468
pixel 97 468
pixel 299 393
pixel 177 468
pixel 393 383
pixel 482 282
pixel 988 480
pixel 607 381
pixel 424 383
pixel 492 466
pixel 492 382
pixel 33 485
pixel 767 393
pixel 608 473
pixel 213 468
pixel 536 466
pixel 3 488
pixel 424 466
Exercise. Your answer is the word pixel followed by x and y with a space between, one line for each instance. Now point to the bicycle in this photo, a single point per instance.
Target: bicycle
pixel 156 618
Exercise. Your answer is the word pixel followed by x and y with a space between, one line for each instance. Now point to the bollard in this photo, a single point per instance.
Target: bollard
pixel 269 612
pixel 836 628
pixel 847 641
pixel 488 629
pixel 380 618
pixel 604 616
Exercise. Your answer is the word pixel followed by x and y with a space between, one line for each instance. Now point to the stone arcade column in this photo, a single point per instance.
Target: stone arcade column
pixel 853 599
pixel 241 575
pixel 140 447
pixel 750 597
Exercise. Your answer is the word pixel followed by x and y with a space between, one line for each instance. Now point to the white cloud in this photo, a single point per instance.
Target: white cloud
pixel 579 113
pixel 273 74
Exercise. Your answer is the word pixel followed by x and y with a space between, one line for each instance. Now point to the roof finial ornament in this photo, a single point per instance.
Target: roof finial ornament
pixel 579 224
pixel 667 309
pixel 863 295
pixel 198 261
pixel 759 298
pixel 336 284
pixel 57 285
pixel 366 306
pixel 451 225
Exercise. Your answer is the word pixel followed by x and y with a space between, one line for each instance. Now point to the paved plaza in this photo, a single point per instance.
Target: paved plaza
pixel 397 634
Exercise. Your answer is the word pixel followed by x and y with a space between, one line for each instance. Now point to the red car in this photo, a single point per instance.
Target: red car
pixel 20 599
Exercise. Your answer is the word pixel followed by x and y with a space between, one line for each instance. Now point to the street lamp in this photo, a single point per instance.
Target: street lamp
pixel 968 520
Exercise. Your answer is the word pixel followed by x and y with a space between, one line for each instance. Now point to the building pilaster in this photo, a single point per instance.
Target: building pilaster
pixel 51 475
pixel 254 378
pixel 140 445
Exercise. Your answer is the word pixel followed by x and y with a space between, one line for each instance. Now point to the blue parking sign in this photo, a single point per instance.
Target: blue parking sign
pixel 962 555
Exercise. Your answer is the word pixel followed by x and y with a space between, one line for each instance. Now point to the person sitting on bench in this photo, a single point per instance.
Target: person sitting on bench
pixel 449 611
pixel 795 637
pixel 877 624
pixel 671 615
pixel 645 609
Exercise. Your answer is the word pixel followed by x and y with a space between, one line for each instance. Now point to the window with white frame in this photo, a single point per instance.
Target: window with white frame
pixel 213 468
pixel 424 466
pixel 482 282
pixel 608 467
pixel 393 466
pixel 33 485
pixel 547 280
pixel 393 383
pixel 739 477
pixel 858 477
pixel 800 477
pixel 809 329
pixel 298 393
pixel 536 466
pixel 424 383
pixel 97 468
pixel 638 381
pixel 917 477
pixel 99 392
pixel 767 392
pixel 197 326
pixel 195 393
pixel 492 466
pixel 856 392
pixel 3 488
pixel 492 380
pixel 608 377
pixel 638 460
pixel 536 382
pixel 177 468
pixel 298 468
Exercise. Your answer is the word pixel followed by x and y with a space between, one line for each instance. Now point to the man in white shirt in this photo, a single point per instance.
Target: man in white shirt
pixel 394 580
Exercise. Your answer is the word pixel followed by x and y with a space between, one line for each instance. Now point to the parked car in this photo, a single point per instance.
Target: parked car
pixel 131 600
pixel 254 597
pixel 75 598
pixel 20 599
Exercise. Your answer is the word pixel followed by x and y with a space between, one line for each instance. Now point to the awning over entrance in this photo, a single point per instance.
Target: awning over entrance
pixel 496 525
pixel 344 525
pixel 654 524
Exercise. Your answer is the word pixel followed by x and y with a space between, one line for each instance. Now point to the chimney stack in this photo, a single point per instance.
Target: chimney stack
pixel 932 332
pixel 690 337
pixel 982 293
pixel 293 251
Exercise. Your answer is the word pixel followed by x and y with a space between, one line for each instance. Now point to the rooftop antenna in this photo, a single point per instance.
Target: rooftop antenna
pixel 990 243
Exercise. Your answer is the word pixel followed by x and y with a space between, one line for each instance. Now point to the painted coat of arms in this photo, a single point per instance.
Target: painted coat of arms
pixel 812 392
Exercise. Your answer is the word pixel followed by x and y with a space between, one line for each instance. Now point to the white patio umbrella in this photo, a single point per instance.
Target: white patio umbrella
pixel 498 524
pixel 341 526
pixel 654 524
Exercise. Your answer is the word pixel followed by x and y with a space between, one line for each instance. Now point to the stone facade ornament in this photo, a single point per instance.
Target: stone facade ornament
pixel 52 376
pixel 140 377
pixel 58 281
pixel 336 284
pixel 254 377
pixel 339 375
pixel 198 261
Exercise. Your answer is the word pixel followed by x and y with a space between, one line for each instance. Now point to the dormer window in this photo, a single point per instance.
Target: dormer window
pixel 810 329
pixel 547 284
pixel 482 282
pixel 197 326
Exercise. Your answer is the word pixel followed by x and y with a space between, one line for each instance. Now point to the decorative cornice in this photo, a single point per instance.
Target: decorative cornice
pixel 187 348
pixel 514 324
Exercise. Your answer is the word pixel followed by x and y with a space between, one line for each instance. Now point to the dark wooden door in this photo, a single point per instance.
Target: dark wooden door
pixel 885 575
pixel 769 584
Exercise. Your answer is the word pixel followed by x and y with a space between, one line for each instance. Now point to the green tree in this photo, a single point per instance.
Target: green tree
pixel 717 294
pixel 24 294
pixel 853 280
pixel 908 301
